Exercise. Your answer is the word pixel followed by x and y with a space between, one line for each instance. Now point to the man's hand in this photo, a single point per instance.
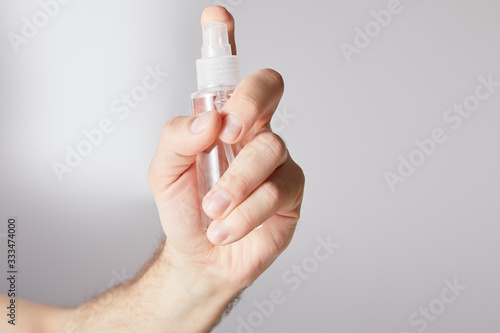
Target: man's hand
pixel 263 187
pixel 194 275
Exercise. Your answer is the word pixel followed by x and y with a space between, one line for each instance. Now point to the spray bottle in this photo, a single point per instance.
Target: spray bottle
pixel 218 73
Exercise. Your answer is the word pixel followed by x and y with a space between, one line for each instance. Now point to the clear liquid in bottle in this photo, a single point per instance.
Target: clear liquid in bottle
pixel 214 161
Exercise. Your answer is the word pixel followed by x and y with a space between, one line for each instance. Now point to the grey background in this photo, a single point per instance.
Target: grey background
pixel 352 121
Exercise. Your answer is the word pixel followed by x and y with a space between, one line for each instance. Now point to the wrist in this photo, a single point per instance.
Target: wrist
pixel 195 278
pixel 191 299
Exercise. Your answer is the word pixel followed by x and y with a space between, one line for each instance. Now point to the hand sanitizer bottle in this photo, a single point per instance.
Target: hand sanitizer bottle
pixel 218 74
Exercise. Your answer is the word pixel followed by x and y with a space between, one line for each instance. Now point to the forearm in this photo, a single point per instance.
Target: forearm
pixel 33 317
pixel 161 298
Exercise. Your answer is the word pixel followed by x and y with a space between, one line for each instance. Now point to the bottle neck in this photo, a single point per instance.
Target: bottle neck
pixel 218 71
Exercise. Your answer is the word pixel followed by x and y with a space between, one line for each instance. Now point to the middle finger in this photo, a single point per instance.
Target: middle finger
pixel 251 167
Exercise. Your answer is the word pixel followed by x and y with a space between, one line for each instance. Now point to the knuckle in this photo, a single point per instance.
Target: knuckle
pixel 272 192
pixel 300 184
pixel 274 146
pixel 275 78
pixel 235 183
pixel 250 103
pixel 250 153
pixel 245 220
pixel 301 176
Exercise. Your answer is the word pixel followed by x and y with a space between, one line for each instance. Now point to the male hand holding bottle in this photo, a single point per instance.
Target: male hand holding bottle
pixel 255 206
pixel 262 187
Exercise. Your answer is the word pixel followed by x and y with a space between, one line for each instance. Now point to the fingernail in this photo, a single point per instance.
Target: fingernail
pixel 217 203
pixel 231 128
pixel 201 122
pixel 217 233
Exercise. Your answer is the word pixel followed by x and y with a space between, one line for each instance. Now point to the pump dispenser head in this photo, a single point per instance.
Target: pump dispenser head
pixel 215 40
pixel 217 66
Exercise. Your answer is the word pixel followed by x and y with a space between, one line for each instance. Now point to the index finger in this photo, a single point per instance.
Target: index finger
pixel 220 14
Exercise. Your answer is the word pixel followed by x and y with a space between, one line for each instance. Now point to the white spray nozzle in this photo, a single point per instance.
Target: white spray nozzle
pixel 217 66
pixel 215 40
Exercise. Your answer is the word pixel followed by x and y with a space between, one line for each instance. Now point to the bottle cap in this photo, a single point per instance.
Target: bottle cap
pixel 217 66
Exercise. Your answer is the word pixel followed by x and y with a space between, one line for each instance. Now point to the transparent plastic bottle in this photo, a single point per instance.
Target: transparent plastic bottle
pixel 218 75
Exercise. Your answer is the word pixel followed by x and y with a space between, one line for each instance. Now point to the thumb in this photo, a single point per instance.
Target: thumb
pixel 219 13
pixel 181 140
